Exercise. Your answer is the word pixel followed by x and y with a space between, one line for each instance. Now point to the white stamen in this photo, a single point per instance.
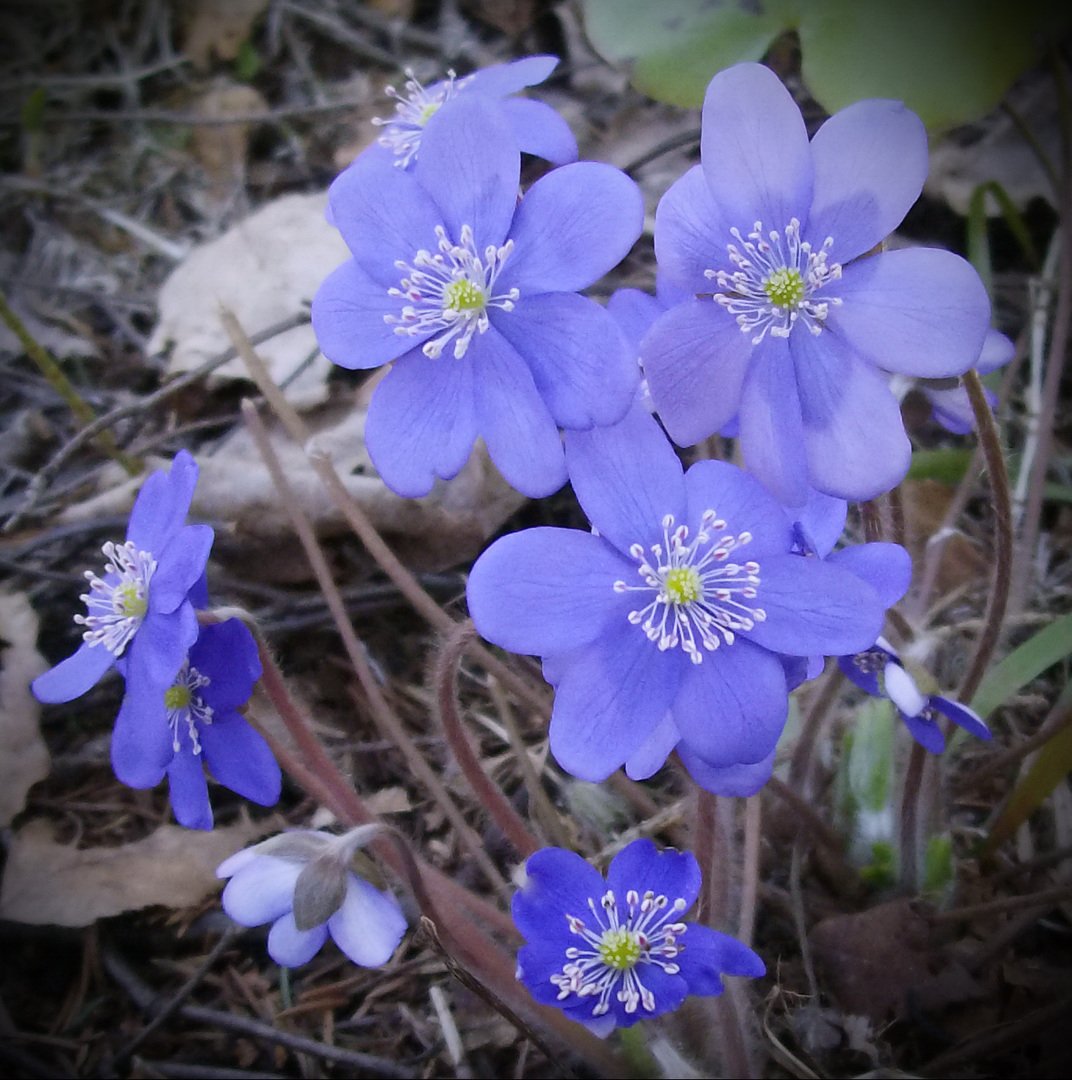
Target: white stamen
pixel 775 281
pixel 118 602
pixel 701 600
pixel 450 291
pixel 185 705
pixel 413 109
pixel 617 947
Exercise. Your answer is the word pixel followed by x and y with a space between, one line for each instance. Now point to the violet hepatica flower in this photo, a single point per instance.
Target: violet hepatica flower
pixel 535 127
pixel 140 610
pixel 473 296
pixel 881 673
pixel 198 715
pixel 302 882
pixel 950 405
pixel 682 601
pixel 611 952
pixel 791 321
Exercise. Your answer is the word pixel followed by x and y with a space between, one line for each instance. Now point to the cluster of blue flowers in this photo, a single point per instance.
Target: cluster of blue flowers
pixel 700 597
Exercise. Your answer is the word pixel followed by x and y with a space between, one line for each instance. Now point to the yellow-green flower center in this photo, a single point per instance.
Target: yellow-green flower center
pixel 130 603
pixel 683 585
pixel 619 949
pixel 428 111
pixel 463 295
pixel 785 287
pixel 178 697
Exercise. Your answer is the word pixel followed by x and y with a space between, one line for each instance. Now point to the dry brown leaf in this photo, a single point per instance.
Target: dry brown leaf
pixel 263 269
pixel 220 27
pixel 960 561
pixel 221 148
pixel 23 755
pixel 46 882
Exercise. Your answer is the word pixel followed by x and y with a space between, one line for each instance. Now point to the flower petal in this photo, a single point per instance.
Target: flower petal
pixel 539 130
pixel 72 677
pixel 854 438
pixel 160 646
pixel 545 590
pixel 961 715
pixel 652 755
pixel 733 781
pixel 708 955
pixel 573 226
pixel 261 891
pixel 887 568
pixel 162 504
pixel 557 883
pixel 813 607
pixel 470 167
pixel 998 350
pixel 142 745
pixel 926 732
pixel 732 707
pixel 754 149
pixel 695 358
pixel 377 229
pixel 691 236
pixel 348 318
pixel 421 422
pixel 870 163
pixel 772 430
pixel 634 311
pixel 642 866
pixel 189 791
pixel 917 311
pixel 240 759
pixel 520 433
pixel 538 962
pixel 742 502
pixel 606 706
pixel 822 520
pixel 369 925
pixel 498 80
pixel 627 478
pixel 290 947
pixel 181 564
pixel 581 363
pixel 226 654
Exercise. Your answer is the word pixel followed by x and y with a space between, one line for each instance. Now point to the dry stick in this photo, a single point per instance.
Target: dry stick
pixel 823 700
pixel 807 816
pixel 389 725
pixel 487 792
pixel 1045 899
pixel 539 800
pixel 45 475
pixel 358 520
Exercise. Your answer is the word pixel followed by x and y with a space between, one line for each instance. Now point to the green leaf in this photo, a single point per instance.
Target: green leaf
pixel 1052 764
pixel 247 62
pixel 1029 660
pixel 949 62
pixel 948 466
pixel 33 110
pixel 676 46
pixel 938 865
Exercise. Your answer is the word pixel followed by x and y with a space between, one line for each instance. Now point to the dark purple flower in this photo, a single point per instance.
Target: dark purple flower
pixel 880 672
pixel 683 600
pixel 791 321
pixel 473 296
pixel 198 715
pixel 610 953
pixel 536 128
pixel 303 884
pixel 141 610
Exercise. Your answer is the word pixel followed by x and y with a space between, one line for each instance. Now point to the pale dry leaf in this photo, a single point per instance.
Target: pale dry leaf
pixel 59 884
pixel 264 269
pixel 391 800
pixel 218 27
pixel 221 148
pixel 446 527
pixel 23 755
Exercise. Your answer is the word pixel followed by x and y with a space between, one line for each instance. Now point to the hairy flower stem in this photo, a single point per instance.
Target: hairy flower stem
pixel 487 792
pixel 423 603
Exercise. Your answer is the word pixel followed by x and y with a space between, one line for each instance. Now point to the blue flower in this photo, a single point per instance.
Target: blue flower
pixel 790 321
pixel 683 600
pixel 536 128
pixel 198 715
pixel 301 883
pixel 880 672
pixel 950 406
pixel 140 612
pixel 473 296
pixel 610 953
